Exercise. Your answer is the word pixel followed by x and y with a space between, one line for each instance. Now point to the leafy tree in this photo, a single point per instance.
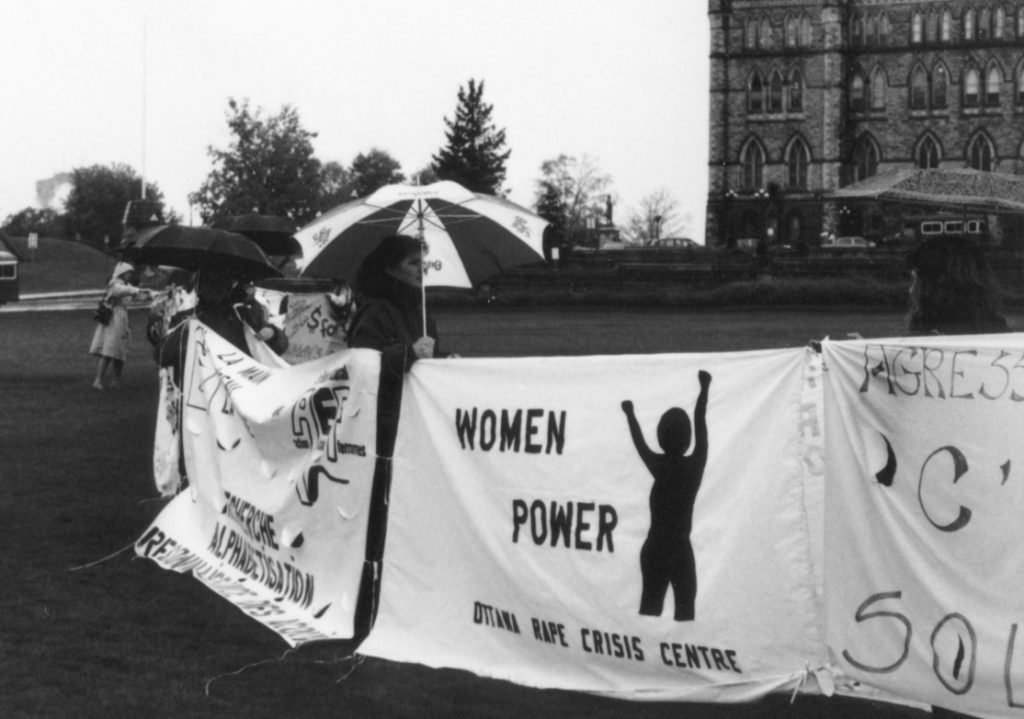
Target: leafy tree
pixel 426 175
pixel 94 208
pixel 570 191
pixel 268 168
pixel 373 170
pixel 657 217
pixel 475 155
pixel 45 222
pixel 336 186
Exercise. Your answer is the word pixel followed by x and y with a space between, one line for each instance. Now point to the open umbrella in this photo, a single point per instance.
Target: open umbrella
pixel 468 237
pixel 274 234
pixel 962 189
pixel 193 248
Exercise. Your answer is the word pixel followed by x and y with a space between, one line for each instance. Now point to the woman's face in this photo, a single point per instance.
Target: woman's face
pixel 410 270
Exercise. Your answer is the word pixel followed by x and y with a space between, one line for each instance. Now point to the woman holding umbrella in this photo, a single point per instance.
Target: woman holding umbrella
pixel 389 300
pixel 110 341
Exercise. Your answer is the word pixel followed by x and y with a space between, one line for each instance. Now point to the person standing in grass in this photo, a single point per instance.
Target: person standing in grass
pixel 110 341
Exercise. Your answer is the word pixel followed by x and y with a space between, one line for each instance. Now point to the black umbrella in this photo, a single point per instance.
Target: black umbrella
pixel 193 248
pixel 273 233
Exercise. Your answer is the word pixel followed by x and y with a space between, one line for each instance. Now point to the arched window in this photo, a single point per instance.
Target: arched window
pixel 878 86
pixel 947 26
pixel 1020 84
pixel 993 83
pixel 932 27
pixel 918 88
pixel 752 160
pixel 927 155
pixel 916 28
pixel 884 29
pixel 972 88
pixel 750 34
pixel 980 154
pixel 984 24
pixel 871 31
pixel 940 86
pixel 775 92
pixel 857 32
pixel 798 158
pixel 805 31
pixel 970 18
pixel 865 158
pixel 1020 22
pixel 792 32
pixel 765 33
pixel 796 92
pixel 755 94
pixel 857 92
pixel 1000 23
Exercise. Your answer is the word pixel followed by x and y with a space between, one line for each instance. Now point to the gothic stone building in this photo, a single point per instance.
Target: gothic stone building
pixel 808 96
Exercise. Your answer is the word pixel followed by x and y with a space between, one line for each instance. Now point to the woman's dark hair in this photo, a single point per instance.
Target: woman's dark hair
pixel 372 279
pixel 953 290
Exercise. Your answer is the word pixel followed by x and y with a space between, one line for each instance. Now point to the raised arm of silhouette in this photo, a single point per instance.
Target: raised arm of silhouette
pixel 667 556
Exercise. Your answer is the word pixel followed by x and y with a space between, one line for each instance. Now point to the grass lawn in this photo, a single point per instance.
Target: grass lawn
pixel 123 638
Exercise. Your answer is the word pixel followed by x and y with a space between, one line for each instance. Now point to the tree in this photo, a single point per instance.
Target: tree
pixel 373 170
pixel 268 168
pixel 474 156
pixel 569 192
pixel 95 206
pixel 336 186
pixel 45 222
pixel 657 217
pixel 426 175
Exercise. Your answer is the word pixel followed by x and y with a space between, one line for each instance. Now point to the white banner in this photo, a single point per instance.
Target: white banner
pixel 585 524
pixel 925 518
pixel 280 467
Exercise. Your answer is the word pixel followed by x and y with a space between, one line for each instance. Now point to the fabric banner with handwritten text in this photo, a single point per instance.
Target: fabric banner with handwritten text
pixel 925 518
pixel 631 525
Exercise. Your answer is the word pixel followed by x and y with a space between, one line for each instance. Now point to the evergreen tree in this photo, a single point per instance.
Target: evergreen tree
pixel 475 155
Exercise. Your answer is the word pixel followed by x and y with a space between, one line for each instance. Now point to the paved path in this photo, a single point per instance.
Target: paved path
pixel 57 301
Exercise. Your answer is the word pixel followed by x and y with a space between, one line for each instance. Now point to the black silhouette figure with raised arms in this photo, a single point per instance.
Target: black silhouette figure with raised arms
pixel 667 555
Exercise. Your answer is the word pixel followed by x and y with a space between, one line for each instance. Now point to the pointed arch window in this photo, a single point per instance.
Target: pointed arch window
pixel 970 19
pixel 984 24
pixel 865 159
pixel 775 92
pixel 752 161
pixel 750 34
pixel 871 31
pixel 798 159
pixel 940 87
pixel 884 29
pixel 857 92
pixel 972 88
pixel 878 86
pixel 917 28
pixel 1020 84
pixel 946 32
pixel 857 31
pixel 765 33
pixel 993 84
pixel 1020 22
pixel 1000 23
pixel 932 27
pixel 796 92
pixel 980 153
pixel 918 89
pixel 792 32
pixel 805 31
pixel 927 156
pixel 755 94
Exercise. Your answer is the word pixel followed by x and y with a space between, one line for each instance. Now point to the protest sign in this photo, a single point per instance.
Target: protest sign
pixel 923 518
pixel 282 467
pixel 632 525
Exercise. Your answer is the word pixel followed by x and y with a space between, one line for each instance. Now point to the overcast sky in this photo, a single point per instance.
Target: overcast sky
pixel 146 83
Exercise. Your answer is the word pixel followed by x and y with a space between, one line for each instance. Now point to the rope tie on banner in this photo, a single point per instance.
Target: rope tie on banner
pixel 800 685
pixel 357 660
pixel 104 559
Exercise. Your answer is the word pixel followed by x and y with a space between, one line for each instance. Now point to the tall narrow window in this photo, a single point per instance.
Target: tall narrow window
pixel 884 29
pixel 947 26
pixel 932 27
pixel 753 165
pixel 927 157
pixel 1020 22
pixel 857 32
pixel 1000 23
pixel 919 89
pixel 871 31
pixel 775 92
pixel 797 161
pixel 980 154
pixel 984 24
pixel 805 31
pixel 878 85
pixel 916 29
pixel 791 32
pixel 993 83
pixel 796 92
pixel 765 33
pixel 972 88
pixel 969 21
pixel 857 93
pixel 755 94
pixel 1020 85
pixel 865 159
pixel 940 87
pixel 750 36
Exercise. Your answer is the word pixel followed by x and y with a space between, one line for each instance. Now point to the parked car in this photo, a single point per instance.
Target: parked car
pixel 849 242
pixel 9 290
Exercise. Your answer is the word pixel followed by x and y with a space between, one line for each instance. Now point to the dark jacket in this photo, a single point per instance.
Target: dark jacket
pixel 394 316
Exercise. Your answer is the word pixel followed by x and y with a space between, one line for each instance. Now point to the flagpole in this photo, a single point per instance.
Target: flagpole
pixel 143 105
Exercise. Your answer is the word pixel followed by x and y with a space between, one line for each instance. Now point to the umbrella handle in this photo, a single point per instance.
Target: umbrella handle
pixel 423 304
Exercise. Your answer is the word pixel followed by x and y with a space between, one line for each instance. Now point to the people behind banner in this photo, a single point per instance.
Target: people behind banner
pixel 389 301
pixel 225 304
pixel 110 342
pixel 952 289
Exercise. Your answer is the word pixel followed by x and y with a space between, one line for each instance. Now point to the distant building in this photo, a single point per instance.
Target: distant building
pixel 810 96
